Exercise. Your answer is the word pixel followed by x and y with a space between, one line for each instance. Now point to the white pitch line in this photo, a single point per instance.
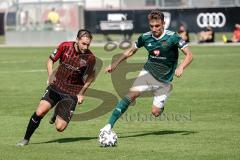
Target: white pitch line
pixel 110 58
pixel 12 62
pixel 131 59
pixel 104 59
pixel 24 71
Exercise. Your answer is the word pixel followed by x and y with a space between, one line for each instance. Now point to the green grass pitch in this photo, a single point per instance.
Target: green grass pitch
pixel 202 116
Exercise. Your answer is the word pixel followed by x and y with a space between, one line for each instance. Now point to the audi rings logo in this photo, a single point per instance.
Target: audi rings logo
pixel 211 19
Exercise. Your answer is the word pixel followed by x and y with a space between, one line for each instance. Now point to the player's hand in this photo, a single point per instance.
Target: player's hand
pixel 110 68
pixel 51 78
pixel 179 71
pixel 49 81
pixel 80 99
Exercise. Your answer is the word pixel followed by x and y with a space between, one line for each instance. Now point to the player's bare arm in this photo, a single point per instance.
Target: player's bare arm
pixel 128 53
pixel 187 60
pixel 49 70
pixel 88 82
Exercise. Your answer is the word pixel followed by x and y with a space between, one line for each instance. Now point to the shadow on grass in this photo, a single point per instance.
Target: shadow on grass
pixel 158 133
pixel 121 135
pixel 68 140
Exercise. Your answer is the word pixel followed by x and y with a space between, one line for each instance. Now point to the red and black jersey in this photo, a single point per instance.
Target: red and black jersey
pixel 73 68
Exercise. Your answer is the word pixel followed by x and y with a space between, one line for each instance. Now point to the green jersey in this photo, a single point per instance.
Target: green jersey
pixel 162 53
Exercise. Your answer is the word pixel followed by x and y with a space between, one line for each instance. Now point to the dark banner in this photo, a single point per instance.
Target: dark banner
pixel 220 19
pixel 1 23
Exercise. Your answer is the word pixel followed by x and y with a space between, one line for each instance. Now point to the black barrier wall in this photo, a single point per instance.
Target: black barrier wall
pixel 221 19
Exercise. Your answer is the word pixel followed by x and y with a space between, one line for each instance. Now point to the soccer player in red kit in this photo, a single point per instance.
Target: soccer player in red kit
pixel 67 84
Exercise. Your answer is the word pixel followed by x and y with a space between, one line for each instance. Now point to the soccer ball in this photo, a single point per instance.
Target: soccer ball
pixel 107 138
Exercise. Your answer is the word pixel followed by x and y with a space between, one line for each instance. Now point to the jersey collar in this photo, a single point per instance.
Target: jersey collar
pixel 163 34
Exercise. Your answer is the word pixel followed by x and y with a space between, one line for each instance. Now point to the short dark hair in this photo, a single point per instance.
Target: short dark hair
pixel 84 33
pixel 156 15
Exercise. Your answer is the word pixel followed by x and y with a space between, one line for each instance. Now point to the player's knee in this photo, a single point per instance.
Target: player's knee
pixel 43 108
pixel 60 127
pixel 133 95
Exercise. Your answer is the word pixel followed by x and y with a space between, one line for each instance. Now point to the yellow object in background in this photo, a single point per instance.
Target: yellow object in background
pixel 53 16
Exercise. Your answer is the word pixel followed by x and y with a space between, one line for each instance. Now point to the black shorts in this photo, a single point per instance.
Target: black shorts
pixel 65 103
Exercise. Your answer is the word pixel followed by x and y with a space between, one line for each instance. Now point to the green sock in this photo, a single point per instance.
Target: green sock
pixel 120 108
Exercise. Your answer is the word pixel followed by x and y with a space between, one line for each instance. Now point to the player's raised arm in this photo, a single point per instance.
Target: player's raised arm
pixel 187 60
pixel 128 53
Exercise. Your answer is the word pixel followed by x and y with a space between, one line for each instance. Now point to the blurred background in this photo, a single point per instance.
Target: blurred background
pixel 48 22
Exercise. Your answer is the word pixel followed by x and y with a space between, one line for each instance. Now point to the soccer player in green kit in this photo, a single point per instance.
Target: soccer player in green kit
pixel 162 64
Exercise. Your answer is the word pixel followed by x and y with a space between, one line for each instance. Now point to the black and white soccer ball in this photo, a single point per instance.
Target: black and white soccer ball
pixel 107 138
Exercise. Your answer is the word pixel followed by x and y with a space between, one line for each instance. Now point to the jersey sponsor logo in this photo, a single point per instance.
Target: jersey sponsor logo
pixel 83 62
pixel 164 43
pixel 70 67
pixel 211 19
pixel 156 52
pixel 158 57
pixel 149 45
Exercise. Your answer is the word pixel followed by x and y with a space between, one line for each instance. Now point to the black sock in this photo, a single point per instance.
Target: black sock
pixel 32 125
